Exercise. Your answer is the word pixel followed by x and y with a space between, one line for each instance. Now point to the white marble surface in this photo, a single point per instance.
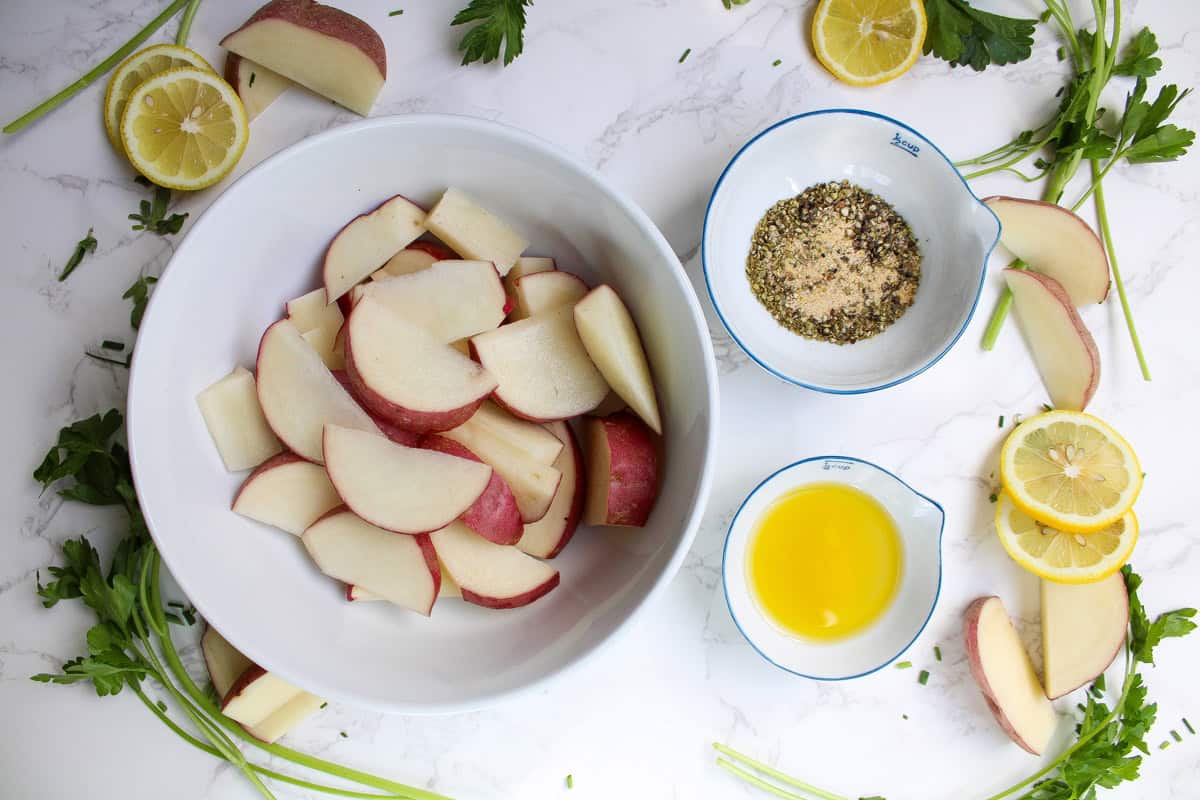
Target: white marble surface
pixel 602 80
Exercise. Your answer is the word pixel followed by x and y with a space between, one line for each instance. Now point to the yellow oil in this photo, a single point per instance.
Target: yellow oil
pixel 824 561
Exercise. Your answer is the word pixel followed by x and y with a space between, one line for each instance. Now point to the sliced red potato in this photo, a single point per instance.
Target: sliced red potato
pixel 1083 629
pixel 310 311
pixel 495 515
pixel 291 714
pixel 401 569
pixel 532 482
pixel 526 265
pixel 394 432
pixel 236 422
pixel 225 663
pixel 335 54
pixel 287 492
pixel 491 575
pixel 256 695
pixel 447 588
pixel 543 291
pixel 543 370
pixel 326 342
pixel 475 232
pixel 256 85
pixel 406 375
pixel 406 262
pixel 451 299
pixel 549 535
pixel 398 488
pixel 299 394
pixel 611 338
pixel 1063 349
pixel 622 470
pixel 367 241
pixel 1056 242
pixel 533 439
pixel 1006 677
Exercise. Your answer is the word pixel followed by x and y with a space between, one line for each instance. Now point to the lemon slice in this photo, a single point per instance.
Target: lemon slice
pixel 866 42
pixel 1061 556
pixel 1070 470
pixel 135 69
pixel 184 128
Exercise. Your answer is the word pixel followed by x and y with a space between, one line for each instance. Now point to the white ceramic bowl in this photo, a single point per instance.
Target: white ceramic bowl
pixel 259 244
pixel 919 520
pixel 955 231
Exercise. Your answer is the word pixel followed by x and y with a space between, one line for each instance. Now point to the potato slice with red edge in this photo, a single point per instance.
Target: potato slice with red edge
pixel 235 421
pixel 474 232
pixel 1006 677
pixel 406 375
pixel 417 256
pixel 612 341
pixel 225 663
pixel 287 492
pixel 544 372
pixel 335 54
pixel 398 488
pixel 394 432
pixel 451 299
pixel 549 535
pixel 526 265
pixel 366 242
pixel 543 291
pixel 401 569
pixel 1055 242
pixel 495 515
pixel 1063 349
pixel 488 574
pixel 533 439
pixel 622 470
pixel 1083 629
pixel 256 85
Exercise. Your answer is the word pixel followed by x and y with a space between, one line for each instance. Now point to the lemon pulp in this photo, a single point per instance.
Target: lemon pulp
pixel 824 561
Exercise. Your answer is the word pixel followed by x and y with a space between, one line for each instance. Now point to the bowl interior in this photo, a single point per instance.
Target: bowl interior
pixel 953 229
pixel 260 244
pixel 919 521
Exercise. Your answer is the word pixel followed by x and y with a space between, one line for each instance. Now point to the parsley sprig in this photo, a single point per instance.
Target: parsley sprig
pixel 1078 132
pixel 496 23
pixel 130 645
pixel 1110 741
pixel 966 36
pixel 84 246
pixel 151 214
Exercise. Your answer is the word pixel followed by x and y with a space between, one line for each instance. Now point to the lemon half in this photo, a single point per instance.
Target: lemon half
pixel 867 42
pixel 135 69
pixel 184 128
pixel 1061 556
pixel 1070 470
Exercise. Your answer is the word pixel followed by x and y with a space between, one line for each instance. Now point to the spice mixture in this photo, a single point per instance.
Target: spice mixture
pixel 835 263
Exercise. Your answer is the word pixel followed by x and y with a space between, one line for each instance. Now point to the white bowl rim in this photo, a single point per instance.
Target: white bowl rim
pixel 937 593
pixel 643 222
pixel 814 386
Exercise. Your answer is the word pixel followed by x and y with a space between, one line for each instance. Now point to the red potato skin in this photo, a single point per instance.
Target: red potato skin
pixel 633 469
pixel 512 602
pixel 343 300
pixel 575 511
pixel 436 249
pixel 971 645
pixel 233 63
pixel 279 459
pixel 494 516
pixel 252 673
pixel 399 416
pixel 393 432
pixel 328 20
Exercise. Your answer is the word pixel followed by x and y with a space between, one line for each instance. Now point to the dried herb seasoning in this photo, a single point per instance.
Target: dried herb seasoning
pixel 836 263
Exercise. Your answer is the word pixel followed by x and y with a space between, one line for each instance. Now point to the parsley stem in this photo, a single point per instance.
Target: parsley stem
pixel 185 24
pixel 770 771
pixel 754 780
pixel 1106 235
pixel 48 105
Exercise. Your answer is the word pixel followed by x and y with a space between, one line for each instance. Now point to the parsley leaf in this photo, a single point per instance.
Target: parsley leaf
pixel 1145 635
pixel 139 293
pixel 498 22
pixel 966 36
pixel 151 215
pixel 84 246
pixel 1139 59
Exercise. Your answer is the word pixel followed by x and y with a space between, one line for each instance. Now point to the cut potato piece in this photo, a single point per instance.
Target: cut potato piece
pixel 451 299
pixel 491 575
pixel 1063 349
pixel 366 242
pixel 256 695
pixel 406 262
pixel 310 311
pixel 543 370
pixel 288 716
pixel 325 341
pixel 225 662
pixel 612 342
pixel 533 483
pixel 235 421
pixel 622 470
pixel 406 375
pixel 1083 628
pixel 398 488
pixel 526 265
pixel 1005 676
pixel 335 54
pixel 299 394
pixel 401 569
pixel 1057 243
pixel 549 535
pixel 533 439
pixel 543 291
pixel 495 515
pixel 256 85
pixel 474 232
pixel 287 492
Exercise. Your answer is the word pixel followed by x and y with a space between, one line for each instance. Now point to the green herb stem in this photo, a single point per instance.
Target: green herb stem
pixel 185 24
pixel 1106 236
pixel 754 780
pixel 48 105
pixel 770 771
